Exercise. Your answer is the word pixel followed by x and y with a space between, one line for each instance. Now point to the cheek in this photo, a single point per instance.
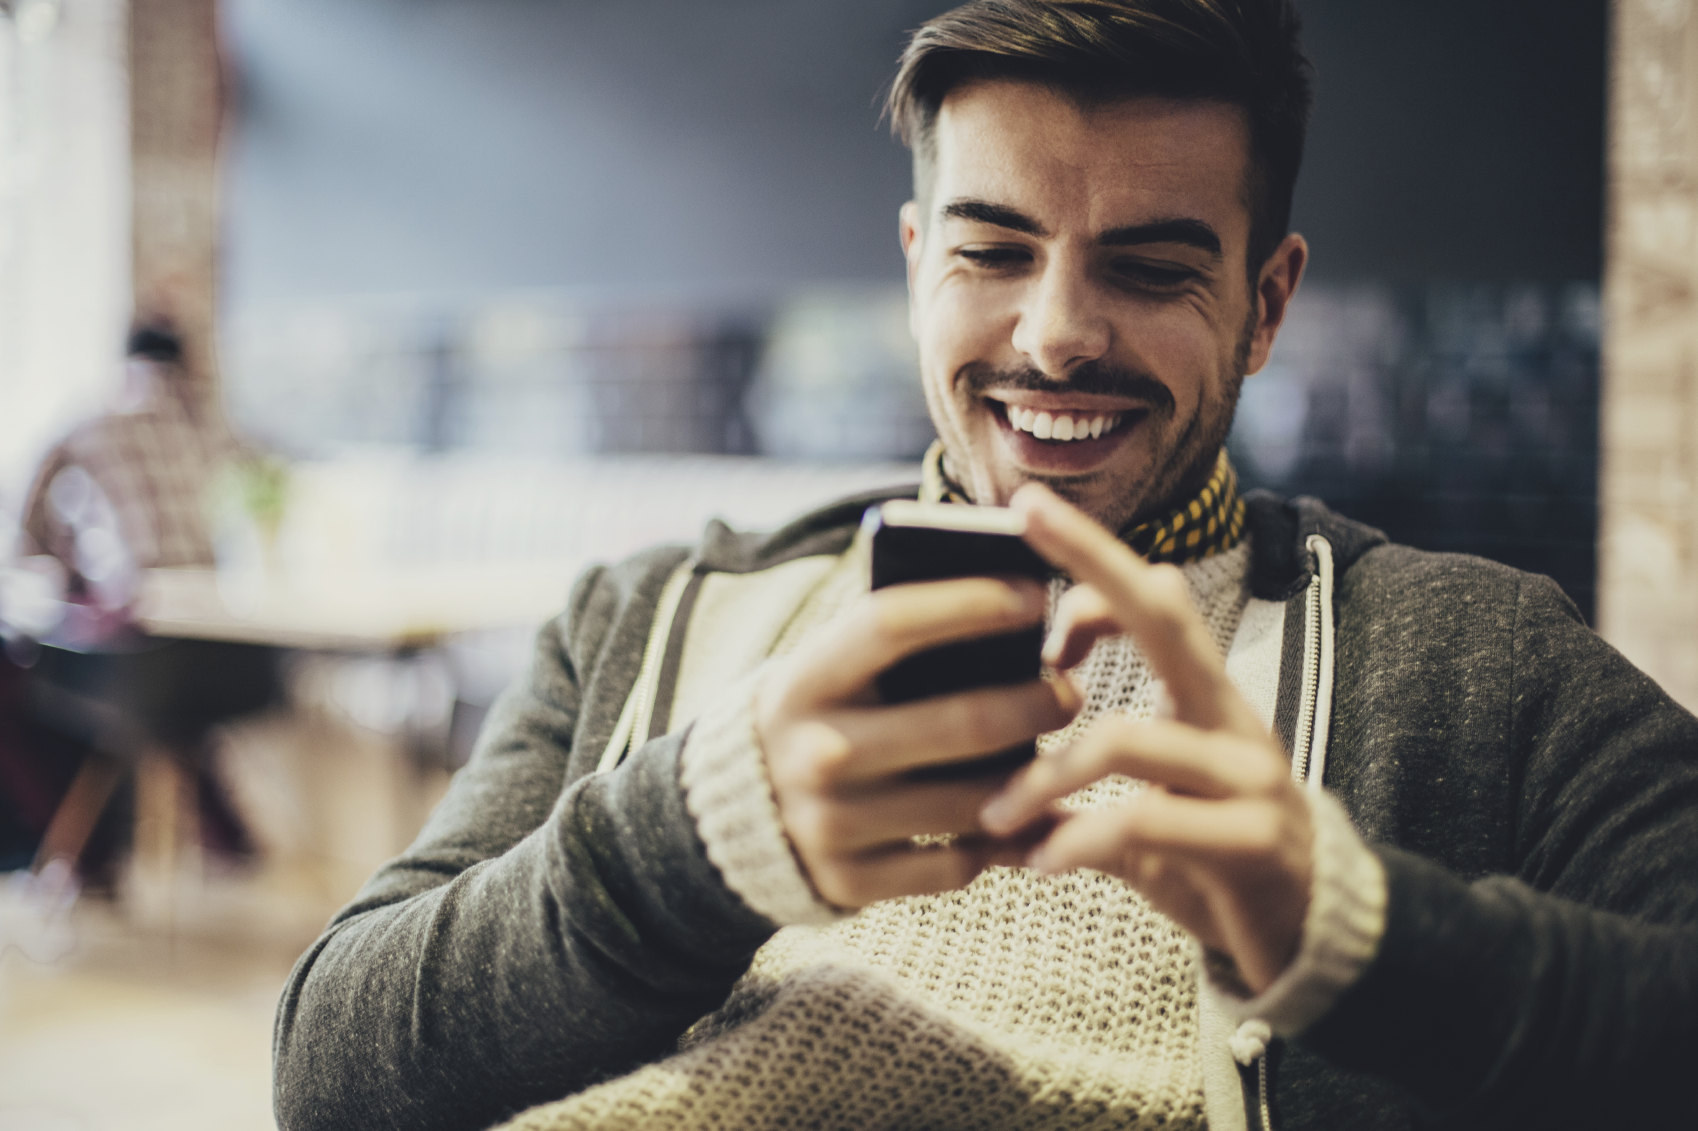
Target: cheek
pixel 1183 352
pixel 952 331
pixel 957 323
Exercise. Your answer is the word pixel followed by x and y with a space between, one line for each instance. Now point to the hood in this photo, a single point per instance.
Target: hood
pixel 1280 562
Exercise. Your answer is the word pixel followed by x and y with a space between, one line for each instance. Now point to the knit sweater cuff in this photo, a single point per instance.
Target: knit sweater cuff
pixel 726 790
pixel 1341 932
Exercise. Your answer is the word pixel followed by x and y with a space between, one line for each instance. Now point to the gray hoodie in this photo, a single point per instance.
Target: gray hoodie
pixel 1532 796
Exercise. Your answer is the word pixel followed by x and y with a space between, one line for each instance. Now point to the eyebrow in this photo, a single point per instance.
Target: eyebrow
pixel 1181 230
pixel 1002 216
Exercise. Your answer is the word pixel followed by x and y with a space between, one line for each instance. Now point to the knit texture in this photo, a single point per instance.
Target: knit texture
pixel 725 784
pixel 1021 1001
pixel 1341 931
pixel 729 796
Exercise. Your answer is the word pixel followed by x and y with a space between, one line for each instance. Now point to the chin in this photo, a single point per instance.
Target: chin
pixel 1109 507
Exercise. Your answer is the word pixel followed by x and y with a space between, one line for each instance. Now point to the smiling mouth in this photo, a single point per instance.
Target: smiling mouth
pixel 1058 427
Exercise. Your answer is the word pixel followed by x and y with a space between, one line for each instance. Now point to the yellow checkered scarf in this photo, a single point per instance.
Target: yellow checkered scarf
pixel 1211 522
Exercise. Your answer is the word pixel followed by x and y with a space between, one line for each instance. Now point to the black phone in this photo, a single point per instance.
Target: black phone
pixel 914 541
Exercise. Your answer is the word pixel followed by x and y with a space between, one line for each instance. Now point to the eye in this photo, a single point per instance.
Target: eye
pixel 995 258
pixel 1148 275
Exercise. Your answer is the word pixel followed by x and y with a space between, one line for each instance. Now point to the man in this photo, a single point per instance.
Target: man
pixel 691 879
pixel 126 490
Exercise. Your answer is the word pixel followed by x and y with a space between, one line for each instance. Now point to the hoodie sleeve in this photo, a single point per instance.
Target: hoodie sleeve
pixel 540 935
pixel 1562 988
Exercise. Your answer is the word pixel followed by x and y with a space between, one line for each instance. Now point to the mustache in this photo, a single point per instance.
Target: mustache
pixel 1093 377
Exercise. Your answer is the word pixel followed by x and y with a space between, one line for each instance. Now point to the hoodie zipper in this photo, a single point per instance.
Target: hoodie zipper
pixel 1308 754
pixel 1262 1092
pixel 1314 715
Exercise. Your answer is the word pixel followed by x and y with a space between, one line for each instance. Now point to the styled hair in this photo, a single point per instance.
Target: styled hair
pixel 1242 52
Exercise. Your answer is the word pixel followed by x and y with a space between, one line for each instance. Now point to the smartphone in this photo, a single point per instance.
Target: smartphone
pixel 914 541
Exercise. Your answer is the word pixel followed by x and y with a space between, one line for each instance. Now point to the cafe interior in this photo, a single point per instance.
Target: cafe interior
pixel 461 297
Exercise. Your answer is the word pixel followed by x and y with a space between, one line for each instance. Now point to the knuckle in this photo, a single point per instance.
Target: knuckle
pixel 1134 833
pixel 1154 871
pixel 849 886
pixel 828 882
pixel 981 725
pixel 1021 601
pixel 885 619
pixel 803 825
pixel 834 826
pixel 829 757
pixel 1264 776
pixel 812 759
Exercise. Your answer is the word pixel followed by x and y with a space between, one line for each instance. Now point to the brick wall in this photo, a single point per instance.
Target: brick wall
pixel 176 108
pixel 1648 553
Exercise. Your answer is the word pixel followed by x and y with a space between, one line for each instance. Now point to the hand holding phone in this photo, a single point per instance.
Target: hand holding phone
pixel 933 541
pixel 881 799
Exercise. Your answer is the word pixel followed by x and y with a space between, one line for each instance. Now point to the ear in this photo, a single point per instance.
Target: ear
pixel 1275 287
pixel 908 227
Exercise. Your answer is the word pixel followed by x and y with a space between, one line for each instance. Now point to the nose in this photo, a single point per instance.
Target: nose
pixel 1061 324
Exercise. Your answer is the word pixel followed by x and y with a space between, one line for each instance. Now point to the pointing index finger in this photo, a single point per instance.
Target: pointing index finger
pixel 1152 603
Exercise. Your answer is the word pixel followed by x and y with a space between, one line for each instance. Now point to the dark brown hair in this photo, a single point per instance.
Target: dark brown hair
pixel 1243 52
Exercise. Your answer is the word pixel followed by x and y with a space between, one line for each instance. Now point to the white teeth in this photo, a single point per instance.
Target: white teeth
pixel 1057 426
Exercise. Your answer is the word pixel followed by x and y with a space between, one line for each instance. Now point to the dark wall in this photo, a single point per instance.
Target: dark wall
pixel 1456 139
pixel 697 150
pixel 732 148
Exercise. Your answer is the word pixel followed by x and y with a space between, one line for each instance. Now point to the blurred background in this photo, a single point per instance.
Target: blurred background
pixel 442 300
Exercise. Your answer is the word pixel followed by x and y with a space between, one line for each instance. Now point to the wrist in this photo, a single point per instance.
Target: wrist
pixel 1340 936
pixel 729 794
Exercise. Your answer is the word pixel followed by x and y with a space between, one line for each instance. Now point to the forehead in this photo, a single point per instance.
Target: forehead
pixel 1098 165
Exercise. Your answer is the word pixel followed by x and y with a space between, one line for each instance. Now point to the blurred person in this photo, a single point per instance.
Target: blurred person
pixel 1323 831
pixel 127 489
pixel 124 491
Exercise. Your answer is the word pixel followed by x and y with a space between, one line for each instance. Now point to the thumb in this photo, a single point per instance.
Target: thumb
pixel 1082 617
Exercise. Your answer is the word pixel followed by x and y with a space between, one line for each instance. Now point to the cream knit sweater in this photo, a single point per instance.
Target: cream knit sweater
pixel 1021 1001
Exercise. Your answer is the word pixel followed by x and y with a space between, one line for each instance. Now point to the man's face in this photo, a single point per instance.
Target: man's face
pixel 1079 292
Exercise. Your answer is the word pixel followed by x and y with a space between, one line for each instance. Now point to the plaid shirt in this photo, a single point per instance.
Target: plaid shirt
pixel 141 475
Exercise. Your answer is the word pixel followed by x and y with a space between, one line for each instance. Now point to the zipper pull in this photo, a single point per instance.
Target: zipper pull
pixel 1250 1041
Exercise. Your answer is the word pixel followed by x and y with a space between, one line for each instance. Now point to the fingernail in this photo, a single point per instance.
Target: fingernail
pixel 1052 646
pixel 1069 696
pixel 1039 861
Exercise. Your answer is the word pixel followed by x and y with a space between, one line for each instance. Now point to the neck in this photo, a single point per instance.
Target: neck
pixel 1206 518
